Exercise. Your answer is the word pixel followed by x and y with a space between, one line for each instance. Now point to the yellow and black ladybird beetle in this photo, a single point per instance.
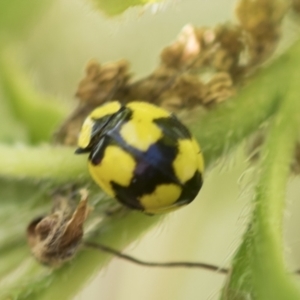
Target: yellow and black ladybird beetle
pixel 142 155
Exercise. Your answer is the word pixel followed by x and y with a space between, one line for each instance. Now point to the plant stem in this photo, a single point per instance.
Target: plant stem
pixel 223 128
pixel 259 270
pixel 58 164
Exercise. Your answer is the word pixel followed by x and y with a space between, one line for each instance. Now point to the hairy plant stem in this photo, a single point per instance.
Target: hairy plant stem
pixel 259 271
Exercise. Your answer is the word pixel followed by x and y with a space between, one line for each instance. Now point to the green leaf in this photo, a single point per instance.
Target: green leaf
pixel 39 115
pixel 116 7
pixel 17 17
pixel 11 129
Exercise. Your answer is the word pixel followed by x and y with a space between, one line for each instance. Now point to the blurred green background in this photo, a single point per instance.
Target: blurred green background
pixel 54 50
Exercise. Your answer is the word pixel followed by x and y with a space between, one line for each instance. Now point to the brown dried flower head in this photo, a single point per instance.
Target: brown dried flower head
pixel 183 51
pixel 101 84
pixel 296 6
pixel 261 20
pixel 54 239
pixel 202 67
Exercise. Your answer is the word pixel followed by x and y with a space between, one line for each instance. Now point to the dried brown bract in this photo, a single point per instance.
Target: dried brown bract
pixel 55 238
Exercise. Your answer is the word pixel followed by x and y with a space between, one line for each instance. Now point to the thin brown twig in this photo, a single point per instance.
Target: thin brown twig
pixel 179 264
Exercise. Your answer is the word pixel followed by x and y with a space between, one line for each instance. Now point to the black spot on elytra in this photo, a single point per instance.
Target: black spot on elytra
pixel 173 128
pixel 190 189
pixel 153 168
pixel 103 132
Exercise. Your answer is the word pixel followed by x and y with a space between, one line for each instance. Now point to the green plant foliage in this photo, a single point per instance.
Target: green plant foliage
pixel 265 243
pixel 29 173
pixel 116 7
pixel 11 129
pixel 17 17
pixel 39 114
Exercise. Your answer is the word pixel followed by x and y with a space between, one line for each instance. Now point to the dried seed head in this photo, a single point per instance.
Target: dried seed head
pixel 230 47
pixel 261 20
pixel 102 82
pixel 183 51
pixel 219 88
pixel 295 166
pixel 253 15
pixel 55 238
pixel 151 88
pixel 296 6
pixel 186 92
pixel 227 53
